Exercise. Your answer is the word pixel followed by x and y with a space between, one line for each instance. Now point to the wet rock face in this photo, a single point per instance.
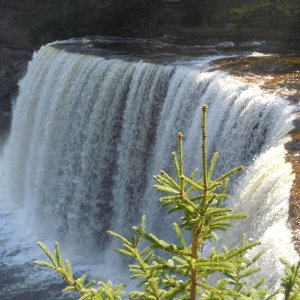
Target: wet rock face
pixel 15 52
pixel 12 66
pixel 293 156
pixel 280 73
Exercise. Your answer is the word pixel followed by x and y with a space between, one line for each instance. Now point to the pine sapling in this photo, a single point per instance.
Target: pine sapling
pixel 186 273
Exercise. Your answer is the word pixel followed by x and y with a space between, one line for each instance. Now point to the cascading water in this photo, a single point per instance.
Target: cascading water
pixel 88 133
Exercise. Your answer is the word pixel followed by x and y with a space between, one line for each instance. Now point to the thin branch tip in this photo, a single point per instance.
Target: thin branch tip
pixel 180 135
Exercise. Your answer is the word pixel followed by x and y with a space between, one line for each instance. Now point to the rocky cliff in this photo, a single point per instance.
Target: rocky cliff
pixel 15 52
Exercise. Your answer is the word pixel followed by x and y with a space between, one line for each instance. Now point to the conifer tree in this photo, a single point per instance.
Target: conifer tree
pixel 183 271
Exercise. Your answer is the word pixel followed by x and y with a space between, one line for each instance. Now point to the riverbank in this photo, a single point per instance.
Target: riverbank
pixel 227 31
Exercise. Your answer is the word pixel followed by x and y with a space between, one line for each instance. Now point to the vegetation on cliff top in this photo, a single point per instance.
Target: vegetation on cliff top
pixel 57 19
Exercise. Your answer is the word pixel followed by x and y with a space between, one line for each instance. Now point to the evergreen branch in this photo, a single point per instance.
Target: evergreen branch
pixel 212 165
pixel 180 150
pixel 197 198
pixel 124 252
pixel 170 179
pixel 230 173
pixel 170 199
pixel 163 181
pixel 231 217
pixel 208 287
pixel 192 183
pixel 69 268
pixel 64 269
pixel 120 237
pixel 217 211
pixel 192 189
pixel 234 252
pixel 260 283
pixel 146 250
pixel 166 189
pixel 249 272
pixel 59 260
pixel 177 287
pixel 214 184
pixel 192 177
pixel 291 280
pixel 161 244
pixel 204 150
pixel 179 235
pixel 44 264
pixel 207 202
pixel 176 164
pixel 48 253
pixel 191 205
pixel 194 174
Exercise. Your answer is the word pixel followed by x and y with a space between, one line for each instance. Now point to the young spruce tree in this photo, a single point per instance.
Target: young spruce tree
pixel 184 272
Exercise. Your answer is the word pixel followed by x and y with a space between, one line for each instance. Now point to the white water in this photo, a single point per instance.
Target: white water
pixel 88 134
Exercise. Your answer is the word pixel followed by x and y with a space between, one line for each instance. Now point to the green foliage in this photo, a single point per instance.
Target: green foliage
pixel 90 290
pixel 267 13
pixel 50 20
pixel 291 281
pixel 183 271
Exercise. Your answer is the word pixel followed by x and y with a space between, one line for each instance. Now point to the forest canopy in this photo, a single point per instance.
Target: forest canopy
pixel 56 19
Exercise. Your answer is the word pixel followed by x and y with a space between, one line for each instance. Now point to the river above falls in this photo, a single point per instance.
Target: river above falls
pixel 272 65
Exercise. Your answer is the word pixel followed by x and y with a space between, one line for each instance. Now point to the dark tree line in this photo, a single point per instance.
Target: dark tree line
pixel 56 19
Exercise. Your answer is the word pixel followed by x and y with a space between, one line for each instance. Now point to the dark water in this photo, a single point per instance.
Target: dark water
pixel 170 48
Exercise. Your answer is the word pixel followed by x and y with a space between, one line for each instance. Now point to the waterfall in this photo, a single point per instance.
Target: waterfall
pixel 88 133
